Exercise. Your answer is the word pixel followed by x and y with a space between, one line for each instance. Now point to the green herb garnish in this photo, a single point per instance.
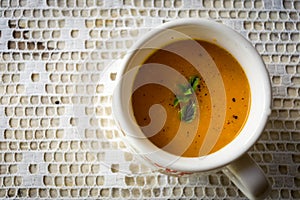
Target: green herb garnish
pixel 187 113
pixel 188 110
pixel 194 81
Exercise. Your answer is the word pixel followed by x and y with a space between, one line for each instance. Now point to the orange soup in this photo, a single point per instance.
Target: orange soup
pixel 190 111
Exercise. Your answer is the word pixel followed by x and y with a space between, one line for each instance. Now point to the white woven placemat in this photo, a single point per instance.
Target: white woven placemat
pixel 57 136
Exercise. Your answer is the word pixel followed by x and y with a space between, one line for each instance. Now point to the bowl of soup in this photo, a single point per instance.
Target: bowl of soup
pixel 194 95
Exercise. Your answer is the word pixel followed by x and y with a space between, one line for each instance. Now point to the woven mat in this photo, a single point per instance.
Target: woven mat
pixel 57 62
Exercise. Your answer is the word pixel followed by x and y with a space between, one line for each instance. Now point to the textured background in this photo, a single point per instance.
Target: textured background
pixel 57 136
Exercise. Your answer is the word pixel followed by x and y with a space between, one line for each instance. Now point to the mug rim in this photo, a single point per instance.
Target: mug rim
pixel 226 154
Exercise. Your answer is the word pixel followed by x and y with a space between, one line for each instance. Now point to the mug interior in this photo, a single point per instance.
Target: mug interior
pixel 240 49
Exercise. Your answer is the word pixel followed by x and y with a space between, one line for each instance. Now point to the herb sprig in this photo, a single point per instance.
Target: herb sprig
pixel 188 110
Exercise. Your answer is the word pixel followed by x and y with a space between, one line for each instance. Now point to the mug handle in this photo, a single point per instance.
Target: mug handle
pixel 248 177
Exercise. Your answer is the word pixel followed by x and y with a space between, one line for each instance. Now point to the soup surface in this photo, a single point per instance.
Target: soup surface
pixel 209 107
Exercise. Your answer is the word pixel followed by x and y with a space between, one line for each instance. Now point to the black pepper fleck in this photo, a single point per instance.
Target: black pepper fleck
pixel 56 102
pixel 235 116
pixel 233 99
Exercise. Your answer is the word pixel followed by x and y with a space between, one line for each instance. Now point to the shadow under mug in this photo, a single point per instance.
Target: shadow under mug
pixel 233 158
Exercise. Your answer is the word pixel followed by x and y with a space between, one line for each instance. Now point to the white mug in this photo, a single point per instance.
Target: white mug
pixel 233 158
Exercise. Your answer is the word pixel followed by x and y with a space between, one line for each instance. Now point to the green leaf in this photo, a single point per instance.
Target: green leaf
pixel 189 91
pixel 195 83
pixel 176 102
pixel 188 113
